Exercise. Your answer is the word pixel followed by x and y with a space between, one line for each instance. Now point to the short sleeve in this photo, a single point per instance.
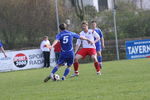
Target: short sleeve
pixel 95 34
pixel 78 42
pixel 100 33
pixel 75 35
pixel 57 37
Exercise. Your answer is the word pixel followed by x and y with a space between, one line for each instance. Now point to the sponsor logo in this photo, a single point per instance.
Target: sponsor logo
pixel 20 60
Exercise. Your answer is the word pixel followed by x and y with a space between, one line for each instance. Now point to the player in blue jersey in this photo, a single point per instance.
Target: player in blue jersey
pixel 65 38
pixel 100 44
pixel 2 49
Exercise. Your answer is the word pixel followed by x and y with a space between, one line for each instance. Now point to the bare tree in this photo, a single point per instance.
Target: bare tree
pixel 79 8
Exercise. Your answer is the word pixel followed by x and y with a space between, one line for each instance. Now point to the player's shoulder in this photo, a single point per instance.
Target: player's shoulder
pixel 98 29
pixel 58 34
pixel 81 33
pixel 92 31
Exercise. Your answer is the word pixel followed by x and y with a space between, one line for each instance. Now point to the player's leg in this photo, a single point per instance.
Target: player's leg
pixel 55 69
pixel 69 64
pixel 80 54
pixel 99 57
pixel 93 54
pixel 99 54
pixel 76 65
pixel 96 64
pixel 61 61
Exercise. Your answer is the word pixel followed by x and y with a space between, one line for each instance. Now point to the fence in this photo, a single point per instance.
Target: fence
pixel 24 23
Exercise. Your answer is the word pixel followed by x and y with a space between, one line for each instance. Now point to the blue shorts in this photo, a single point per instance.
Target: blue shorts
pixel 98 46
pixel 66 57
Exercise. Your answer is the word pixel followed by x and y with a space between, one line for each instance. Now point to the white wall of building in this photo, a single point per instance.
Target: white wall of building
pixel 146 4
pixel 110 4
pixel 91 3
pixel 95 3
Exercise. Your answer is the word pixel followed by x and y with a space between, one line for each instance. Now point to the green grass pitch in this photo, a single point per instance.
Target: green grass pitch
pixel 120 80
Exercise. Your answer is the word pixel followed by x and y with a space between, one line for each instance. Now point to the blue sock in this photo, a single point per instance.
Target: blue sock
pixel 99 59
pixel 55 69
pixel 66 72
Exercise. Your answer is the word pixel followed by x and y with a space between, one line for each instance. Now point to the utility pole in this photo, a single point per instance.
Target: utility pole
pixel 57 15
pixel 115 29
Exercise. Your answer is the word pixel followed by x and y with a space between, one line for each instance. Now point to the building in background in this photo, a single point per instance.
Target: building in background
pixel 99 4
pixel 108 4
pixel 143 4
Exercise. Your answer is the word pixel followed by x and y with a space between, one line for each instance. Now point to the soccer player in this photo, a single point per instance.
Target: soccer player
pixel 57 50
pixel 65 38
pixel 100 44
pixel 2 49
pixel 87 48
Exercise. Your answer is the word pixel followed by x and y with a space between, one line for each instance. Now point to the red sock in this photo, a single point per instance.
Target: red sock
pixel 97 66
pixel 76 66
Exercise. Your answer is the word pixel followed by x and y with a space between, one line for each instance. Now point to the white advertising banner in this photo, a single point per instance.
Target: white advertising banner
pixel 24 59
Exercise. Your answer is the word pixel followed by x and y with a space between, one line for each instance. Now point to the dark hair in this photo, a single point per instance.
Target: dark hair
pixel 62 26
pixel 85 22
pixel 93 21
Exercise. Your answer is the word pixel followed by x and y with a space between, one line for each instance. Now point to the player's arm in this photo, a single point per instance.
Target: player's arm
pixel 84 38
pixel 103 43
pixel 54 43
pixel 3 51
pixel 102 38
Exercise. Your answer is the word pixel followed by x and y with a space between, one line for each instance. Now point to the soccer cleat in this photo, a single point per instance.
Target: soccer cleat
pixel 99 73
pixel 46 79
pixel 75 74
pixel 63 78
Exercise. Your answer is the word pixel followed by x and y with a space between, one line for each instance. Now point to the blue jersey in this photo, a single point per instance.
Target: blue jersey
pixel 67 54
pixel 99 32
pixel 100 35
pixel 1 44
pixel 98 44
pixel 66 37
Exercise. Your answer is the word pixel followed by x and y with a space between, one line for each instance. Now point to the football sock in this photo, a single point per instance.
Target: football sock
pixel 55 69
pixel 76 66
pixel 97 66
pixel 99 59
pixel 67 70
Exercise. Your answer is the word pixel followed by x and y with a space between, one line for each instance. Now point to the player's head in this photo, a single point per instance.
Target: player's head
pixel 94 24
pixel 62 26
pixel 45 38
pixel 85 26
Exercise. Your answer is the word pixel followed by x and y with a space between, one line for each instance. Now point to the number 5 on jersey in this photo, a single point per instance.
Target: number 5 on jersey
pixel 65 39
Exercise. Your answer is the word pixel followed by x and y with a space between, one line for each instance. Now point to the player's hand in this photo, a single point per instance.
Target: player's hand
pixel 103 46
pixel 50 47
pixel 91 42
